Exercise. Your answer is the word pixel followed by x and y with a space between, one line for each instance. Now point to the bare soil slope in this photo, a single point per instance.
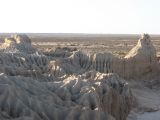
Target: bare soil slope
pixel 75 79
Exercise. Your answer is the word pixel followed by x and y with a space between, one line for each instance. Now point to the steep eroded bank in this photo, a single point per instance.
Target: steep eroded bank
pixel 37 86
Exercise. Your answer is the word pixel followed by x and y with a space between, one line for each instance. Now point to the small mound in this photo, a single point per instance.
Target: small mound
pixel 17 43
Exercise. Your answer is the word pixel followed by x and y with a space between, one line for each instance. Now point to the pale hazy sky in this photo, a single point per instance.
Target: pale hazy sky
pixel 80 16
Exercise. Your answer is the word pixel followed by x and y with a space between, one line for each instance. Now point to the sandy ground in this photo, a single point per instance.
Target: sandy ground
pixel 148 102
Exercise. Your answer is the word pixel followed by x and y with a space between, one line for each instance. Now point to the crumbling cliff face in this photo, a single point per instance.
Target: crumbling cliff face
pixel 36 86
pixel 140 61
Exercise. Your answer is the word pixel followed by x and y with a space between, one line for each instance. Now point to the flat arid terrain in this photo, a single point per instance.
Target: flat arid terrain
pixel 118 44
pixel 79 77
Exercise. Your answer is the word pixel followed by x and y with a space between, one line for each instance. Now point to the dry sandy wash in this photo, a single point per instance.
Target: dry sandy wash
pixel 68 84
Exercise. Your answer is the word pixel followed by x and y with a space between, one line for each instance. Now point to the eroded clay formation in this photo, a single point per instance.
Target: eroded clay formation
pixel 140 61
pixel 68 84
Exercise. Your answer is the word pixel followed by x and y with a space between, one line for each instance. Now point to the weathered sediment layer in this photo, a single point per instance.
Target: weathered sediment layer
pixel 90 96
pixel 37 86
pixel 140 61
